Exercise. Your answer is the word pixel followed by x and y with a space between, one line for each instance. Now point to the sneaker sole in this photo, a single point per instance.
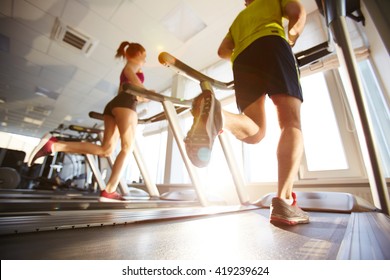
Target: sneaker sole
pixel 205 124
pixel 106 199
pixel 42 143
pixel 290 222
pixel 202 124
pixel 202 131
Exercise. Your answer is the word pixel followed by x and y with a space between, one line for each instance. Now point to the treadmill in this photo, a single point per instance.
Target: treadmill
pixel 342 226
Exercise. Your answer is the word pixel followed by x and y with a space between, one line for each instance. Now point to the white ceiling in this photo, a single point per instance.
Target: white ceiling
pixel 83 83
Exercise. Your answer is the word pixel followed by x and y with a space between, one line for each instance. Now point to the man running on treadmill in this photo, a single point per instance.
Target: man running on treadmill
pixel 263 64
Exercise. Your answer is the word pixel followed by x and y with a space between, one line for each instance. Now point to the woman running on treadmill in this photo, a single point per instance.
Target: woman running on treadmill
pixel 120 120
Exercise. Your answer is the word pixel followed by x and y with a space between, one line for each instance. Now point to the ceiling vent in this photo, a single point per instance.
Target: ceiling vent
pixel 69 36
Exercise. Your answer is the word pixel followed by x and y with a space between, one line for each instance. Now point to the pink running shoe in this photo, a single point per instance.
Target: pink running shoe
pixel 282 213
pixel 110 197
pixel 43 149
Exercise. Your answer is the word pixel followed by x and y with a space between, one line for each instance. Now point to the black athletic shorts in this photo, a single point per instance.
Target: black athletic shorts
pixel 122 100
pixel 267 66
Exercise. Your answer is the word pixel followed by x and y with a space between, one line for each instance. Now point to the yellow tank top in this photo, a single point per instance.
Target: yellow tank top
pixel 260 18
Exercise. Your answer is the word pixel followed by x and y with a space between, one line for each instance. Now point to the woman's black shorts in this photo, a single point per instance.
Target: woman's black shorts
pixel 122 100
pixel 267 66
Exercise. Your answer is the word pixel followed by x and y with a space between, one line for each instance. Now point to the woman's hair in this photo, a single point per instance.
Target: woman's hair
pixel 130 49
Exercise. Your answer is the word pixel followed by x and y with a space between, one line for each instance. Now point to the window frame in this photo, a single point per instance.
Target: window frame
pixel 348 138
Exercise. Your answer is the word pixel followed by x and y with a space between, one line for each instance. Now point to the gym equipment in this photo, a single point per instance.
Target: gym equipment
pixel 11 162
pixel 9 178
pixel 335 12
pixel 65 170
pixel 169 104
pixel 346 229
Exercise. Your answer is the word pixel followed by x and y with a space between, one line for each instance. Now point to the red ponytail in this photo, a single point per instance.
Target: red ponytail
pixel 131 50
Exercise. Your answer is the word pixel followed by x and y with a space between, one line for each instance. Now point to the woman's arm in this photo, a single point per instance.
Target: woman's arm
pixel 134 80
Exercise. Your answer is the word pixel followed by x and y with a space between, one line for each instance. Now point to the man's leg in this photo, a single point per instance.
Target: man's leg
pixel 284 208
pixel 250 126
pixel 290 147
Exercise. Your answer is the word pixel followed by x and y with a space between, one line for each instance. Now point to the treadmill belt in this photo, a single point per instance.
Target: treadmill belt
pixel 14 223
pixel 235 235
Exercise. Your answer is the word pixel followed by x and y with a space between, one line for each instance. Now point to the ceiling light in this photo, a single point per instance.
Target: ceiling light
pixel 33 121
pixel 68 118
pixel 2 100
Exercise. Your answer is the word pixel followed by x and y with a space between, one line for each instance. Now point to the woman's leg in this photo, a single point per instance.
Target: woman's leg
pixel 50 144
pixel 109 141
pixel 126 121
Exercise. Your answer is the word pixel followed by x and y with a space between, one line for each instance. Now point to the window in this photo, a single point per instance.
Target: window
pixel 152 149
pixel 378 108
pixel 260 159
pixel 331 146
pixel 323 144
pixel 331 149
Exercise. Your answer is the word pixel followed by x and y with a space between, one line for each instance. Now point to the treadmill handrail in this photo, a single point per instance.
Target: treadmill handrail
pixel 313 54
pixel 155 118
pixel 79 128
pixel 139 91
pixel 189 72
pixel 96 115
